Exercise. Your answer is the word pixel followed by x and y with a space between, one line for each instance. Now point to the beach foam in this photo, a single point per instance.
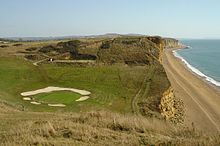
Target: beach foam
pixel 195 70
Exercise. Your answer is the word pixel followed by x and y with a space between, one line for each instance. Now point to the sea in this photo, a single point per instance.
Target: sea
pixel 203 58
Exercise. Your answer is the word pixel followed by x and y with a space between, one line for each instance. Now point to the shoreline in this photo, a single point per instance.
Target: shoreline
pixel 201 99
pixel 207 79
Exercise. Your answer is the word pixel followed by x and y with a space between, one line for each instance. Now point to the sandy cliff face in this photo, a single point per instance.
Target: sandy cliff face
pixel 168 43
pixel 163 43
pixel 171 43
pixel 167 104
pixel 171 107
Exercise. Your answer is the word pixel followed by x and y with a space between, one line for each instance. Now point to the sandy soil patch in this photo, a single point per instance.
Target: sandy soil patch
pixel 36 103
pixel 84 94
pixel 83 98
pixel 52 89
pixel 57 105
pixel 27 98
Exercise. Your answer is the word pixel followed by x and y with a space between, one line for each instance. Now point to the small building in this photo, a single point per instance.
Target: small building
pixel 51 59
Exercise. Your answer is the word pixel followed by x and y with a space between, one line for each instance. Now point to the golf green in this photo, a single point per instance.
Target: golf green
pixel 58 97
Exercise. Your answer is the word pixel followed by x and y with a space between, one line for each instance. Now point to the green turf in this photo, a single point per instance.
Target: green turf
pixel 112 87
pixel 62 97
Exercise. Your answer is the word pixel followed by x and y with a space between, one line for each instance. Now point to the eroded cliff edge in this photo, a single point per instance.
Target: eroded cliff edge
pixel 156 95
pixel 171 107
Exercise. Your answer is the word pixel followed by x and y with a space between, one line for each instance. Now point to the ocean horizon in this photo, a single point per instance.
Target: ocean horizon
pixel 202 57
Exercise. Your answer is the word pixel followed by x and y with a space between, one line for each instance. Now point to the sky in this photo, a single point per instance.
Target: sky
pixel 168 18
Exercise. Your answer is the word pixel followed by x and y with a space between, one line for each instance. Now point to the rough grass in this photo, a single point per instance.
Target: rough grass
pixel 94 128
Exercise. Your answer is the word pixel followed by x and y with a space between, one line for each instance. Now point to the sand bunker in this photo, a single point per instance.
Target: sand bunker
pixel 36 103
pixel 57 105
pixel 52 89
pixel 27 98
pixel 85 94
pixel 83 98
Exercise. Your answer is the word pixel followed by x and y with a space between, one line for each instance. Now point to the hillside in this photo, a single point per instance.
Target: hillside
pixel 131 101
pixel 138 53
pixel 93 128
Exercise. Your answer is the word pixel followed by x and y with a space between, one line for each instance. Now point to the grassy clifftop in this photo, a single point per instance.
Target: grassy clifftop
pixel 124 49
pixel 129 91
pixel 127 75
pixel 134 50
pixel 129 51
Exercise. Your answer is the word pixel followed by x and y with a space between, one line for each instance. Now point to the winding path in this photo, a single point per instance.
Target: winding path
pixel 143 92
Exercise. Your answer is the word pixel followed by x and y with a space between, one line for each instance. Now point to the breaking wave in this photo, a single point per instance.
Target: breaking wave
pixel 195 70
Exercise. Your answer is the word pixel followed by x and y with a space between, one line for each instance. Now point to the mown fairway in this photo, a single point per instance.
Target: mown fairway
pixel 112 87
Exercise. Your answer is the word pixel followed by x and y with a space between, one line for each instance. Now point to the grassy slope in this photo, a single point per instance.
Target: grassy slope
pixel 112 87
pixel 94 128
